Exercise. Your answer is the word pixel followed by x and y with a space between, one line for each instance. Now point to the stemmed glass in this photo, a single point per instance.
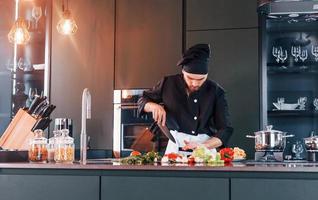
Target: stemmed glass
pixel 315 102
pixel 302 103
pixel 297 149
pixel 36 14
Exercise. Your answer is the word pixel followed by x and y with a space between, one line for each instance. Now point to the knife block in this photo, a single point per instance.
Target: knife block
pixel 18 133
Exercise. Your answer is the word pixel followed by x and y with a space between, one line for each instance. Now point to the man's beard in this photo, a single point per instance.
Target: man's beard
pixel 193 89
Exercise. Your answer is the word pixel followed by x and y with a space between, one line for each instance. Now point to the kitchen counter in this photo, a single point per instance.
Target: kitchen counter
pixel 115 181
pixel 232 167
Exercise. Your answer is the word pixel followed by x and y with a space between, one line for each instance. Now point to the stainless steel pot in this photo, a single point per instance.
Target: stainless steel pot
pixel 269 140
pixel 311 143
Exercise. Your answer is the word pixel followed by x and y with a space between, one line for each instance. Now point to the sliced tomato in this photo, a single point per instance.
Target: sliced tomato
pixel 173 156
pixel 135 153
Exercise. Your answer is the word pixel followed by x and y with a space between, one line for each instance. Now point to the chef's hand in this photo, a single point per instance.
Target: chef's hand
pixel 190 145
pixel 158 112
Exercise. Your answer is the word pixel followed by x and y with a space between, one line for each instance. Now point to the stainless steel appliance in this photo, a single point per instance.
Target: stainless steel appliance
pixel 311 144
pixel 127 124
pixel 269 141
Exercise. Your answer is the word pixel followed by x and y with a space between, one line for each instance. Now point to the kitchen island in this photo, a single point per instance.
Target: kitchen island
pixel 236 181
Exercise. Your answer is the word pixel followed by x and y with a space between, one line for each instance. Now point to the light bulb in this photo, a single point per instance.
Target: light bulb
pixel 19 33
pixel 67 24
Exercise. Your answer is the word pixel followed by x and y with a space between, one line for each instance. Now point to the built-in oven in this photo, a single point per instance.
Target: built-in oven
pixel 128 124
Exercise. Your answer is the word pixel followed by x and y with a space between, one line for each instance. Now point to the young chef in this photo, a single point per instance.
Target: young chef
pixel 196 104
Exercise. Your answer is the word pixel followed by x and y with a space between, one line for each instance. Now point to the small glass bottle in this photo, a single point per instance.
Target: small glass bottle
pixel 64 148
pixel 38 147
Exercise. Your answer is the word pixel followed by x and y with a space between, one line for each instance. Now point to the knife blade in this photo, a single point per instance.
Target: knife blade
pixel 166 132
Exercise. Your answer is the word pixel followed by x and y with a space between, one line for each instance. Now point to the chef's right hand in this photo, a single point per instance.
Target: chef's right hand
pixel 158 112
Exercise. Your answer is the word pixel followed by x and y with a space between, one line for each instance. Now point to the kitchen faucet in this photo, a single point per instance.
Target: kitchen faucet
pixel 86 114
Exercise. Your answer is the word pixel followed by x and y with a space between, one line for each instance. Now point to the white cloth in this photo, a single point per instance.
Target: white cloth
pixel 180 137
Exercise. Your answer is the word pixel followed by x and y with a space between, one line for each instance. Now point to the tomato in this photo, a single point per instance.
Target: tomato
pixel 191 160
pixel 227 154
pixel 135 153
pixel 172 156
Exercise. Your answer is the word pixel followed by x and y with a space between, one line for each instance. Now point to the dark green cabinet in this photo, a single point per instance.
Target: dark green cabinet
pixel 49 187
pixel 216 14
pixel 264 189
pixel 148 41
pixel 167 188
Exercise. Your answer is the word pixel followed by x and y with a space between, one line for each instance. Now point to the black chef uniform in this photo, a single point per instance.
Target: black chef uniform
pixel 204 111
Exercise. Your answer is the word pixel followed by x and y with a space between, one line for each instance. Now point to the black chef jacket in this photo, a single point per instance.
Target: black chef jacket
pixel 202 112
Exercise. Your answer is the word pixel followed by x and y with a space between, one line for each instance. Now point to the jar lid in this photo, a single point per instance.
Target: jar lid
pixel 64 138
pixel 38 137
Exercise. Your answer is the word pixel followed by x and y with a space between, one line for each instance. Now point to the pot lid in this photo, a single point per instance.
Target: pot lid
pixel 269 129
pixel 312 137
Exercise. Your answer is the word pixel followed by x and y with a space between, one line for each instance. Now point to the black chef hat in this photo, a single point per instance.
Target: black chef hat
pixel 196 59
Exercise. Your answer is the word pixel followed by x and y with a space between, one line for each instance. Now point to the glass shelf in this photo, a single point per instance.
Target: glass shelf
pixel 281 69
pixel 292 113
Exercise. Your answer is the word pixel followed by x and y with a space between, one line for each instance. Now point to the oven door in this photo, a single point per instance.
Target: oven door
pixel 130 132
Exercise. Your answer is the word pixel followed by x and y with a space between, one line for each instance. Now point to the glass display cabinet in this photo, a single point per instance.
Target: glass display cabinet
pixel 24 68
pixel 289 67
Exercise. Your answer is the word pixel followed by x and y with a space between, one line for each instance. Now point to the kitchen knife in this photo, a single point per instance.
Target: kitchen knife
pixel 166 132
pixel 46 124
pixel 39 108
pixel 41 124
pixel 47 111
pixel 36 101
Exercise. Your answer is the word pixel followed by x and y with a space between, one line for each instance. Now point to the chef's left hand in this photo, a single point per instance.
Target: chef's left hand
pixel 190 145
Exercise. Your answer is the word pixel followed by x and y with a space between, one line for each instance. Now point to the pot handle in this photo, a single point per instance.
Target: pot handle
pixel 250 136
pixel 285 136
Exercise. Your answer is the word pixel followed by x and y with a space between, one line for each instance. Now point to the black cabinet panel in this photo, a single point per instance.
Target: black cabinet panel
pixel 220 14
pixel 148 41
pixel 17 187
pixel 167 188
pixel 264 189
pixel 234 65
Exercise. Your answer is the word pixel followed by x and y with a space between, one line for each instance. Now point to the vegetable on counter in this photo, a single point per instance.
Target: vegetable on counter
pixel 227 154
pixel 138 158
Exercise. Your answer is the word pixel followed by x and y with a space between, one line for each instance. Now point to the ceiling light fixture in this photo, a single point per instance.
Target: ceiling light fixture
pixel 66 25
pixel 19 33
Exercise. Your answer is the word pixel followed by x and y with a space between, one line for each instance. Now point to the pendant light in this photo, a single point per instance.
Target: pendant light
pixel 66 25
pixel 19 33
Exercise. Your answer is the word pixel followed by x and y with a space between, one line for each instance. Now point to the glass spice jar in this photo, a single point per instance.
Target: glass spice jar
pixel 38 147
pixel 64 148
pixel 51 145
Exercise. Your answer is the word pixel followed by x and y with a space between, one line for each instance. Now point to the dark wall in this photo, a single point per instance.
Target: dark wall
pixel 85 59
pixel 148 41
pixel 230 27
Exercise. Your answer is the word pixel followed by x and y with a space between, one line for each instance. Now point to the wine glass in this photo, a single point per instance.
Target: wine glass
pixel 302 103
pixel 36 14
pixel 297 149
pixel 315 102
